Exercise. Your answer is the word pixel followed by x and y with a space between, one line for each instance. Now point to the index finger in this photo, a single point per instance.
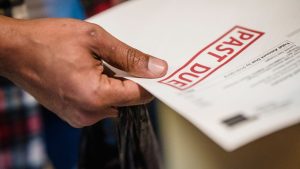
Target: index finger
pixel 123 92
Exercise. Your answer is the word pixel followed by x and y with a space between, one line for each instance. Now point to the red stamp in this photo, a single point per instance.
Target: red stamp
pixel 212 57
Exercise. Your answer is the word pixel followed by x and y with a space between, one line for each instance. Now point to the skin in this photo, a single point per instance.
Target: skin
pixel 54 60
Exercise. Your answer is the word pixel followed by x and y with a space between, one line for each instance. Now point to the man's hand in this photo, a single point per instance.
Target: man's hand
pixel 53 60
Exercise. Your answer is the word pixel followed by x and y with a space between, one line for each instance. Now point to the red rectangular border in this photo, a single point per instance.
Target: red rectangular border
pixel 197 54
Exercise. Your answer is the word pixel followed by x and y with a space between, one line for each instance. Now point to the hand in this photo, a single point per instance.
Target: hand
pixel 53 60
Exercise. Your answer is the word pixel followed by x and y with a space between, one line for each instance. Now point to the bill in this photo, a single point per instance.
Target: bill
pixel 234 66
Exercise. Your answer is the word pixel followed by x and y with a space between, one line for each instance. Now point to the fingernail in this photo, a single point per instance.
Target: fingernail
pixel 157 66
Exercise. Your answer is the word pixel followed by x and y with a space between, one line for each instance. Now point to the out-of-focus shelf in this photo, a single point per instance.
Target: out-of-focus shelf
pixel 185 147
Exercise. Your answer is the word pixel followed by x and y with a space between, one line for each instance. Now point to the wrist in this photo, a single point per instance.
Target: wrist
pixel 11 44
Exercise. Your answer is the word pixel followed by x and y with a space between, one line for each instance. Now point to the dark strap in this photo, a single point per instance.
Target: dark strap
pixel 5 82
pixel 10 3
pixel 7 5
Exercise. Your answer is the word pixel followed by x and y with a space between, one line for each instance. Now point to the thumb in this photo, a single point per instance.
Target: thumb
pixel 128 59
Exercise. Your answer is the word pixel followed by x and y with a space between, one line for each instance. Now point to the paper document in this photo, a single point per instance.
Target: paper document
pixel 234 66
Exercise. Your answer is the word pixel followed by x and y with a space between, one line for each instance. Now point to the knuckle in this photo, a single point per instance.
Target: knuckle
pixel 94 30
pixel 134 59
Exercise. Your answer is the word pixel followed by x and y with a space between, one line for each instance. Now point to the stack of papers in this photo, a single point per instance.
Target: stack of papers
pixel 234 66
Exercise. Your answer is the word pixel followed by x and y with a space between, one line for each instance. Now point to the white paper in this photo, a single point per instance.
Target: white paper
pixel 250 92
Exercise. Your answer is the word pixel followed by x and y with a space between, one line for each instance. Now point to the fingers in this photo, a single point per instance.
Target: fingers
pixel 128 94
pixel 114 93
pixel 82 119
pixel 126 58
pixel 123 93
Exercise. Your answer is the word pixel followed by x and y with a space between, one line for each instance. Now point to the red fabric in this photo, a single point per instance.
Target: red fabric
pixel 99 8
pixel 20 127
